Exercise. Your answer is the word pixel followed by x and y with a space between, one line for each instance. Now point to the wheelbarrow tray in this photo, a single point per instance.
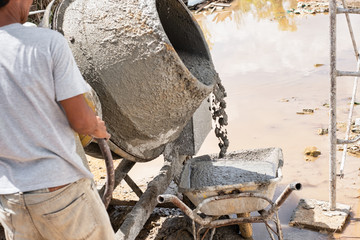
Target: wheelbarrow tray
pixel 248 171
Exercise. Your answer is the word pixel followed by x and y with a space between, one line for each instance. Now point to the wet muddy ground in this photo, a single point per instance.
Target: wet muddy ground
pixel 274 63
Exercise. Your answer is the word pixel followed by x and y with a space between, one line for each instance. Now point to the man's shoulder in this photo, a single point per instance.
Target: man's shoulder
pixel 30 35
pixel 41 32
pixel 45 37
pixel 30 31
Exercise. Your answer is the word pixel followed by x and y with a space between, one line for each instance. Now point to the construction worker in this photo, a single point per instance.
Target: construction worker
pixel 45 190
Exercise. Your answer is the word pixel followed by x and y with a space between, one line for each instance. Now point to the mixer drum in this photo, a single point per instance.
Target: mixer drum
pixel 148 62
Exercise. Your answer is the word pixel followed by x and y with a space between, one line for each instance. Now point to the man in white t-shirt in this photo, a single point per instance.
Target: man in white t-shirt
pixel 45 190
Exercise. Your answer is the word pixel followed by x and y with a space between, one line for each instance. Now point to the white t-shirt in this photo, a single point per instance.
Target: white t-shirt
pixel 37 145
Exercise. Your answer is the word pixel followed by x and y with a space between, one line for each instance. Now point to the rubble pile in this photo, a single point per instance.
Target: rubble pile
pixel 310 8
pixel 208 5
pixel 319 6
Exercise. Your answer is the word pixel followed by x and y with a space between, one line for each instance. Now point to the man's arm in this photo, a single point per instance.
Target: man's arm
pixel 82 119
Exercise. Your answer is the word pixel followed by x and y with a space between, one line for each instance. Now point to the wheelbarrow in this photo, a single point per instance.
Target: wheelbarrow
pixel 240 183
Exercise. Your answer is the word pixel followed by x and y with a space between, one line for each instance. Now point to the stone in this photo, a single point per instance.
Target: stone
pixel 312 151
pixel 316 215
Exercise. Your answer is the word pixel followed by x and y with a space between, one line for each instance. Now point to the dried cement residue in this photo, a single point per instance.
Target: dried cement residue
pixel 235 168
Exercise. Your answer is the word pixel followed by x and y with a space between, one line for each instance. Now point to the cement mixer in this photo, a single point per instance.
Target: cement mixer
pixel 151 73
pixel 147 61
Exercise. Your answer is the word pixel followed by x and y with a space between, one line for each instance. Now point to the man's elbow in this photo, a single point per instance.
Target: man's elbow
pixel 80 116
pixel 84 127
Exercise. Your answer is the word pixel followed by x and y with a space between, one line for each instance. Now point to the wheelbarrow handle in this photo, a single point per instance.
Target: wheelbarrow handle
pixel 190 213
pixel 286 193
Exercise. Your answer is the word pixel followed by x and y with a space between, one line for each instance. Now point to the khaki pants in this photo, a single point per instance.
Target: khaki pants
pixel 74 212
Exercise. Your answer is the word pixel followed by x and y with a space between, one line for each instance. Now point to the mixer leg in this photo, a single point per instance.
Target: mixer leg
pixel 245 228
pixel 133 186
pixel 138 216
pixel 120 173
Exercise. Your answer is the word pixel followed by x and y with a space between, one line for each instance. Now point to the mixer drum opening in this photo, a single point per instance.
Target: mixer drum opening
pixel 187 39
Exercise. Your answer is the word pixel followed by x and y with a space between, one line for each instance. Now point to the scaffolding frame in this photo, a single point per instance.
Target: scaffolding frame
pixel 334 73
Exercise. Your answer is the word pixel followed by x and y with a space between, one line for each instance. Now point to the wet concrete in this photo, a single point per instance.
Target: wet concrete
pixel 242 167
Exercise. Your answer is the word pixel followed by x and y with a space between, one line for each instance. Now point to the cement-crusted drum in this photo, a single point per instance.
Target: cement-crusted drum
pixel 148 62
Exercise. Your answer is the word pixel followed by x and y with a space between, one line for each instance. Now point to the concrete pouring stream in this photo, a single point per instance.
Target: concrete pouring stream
pixel 274 64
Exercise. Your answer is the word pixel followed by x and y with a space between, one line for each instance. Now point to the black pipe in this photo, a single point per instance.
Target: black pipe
pixel 110 173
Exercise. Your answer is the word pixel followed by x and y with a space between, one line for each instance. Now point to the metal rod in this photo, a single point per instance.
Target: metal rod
pixel 268 228
pixel 348 127
pixel 285 194
pixel 122 153
pixel 183 207
pixel 232 196
pixel 133 186
pixel 278 226
pixel 194 229
pixel 332 111
pixel 45 22
pixel 120 172
pixel 351 32
pixel 347 74
pixel 212 233
pixel 234 221
pixel 345 10
pixel 203 237
pixel 341 141
pixel 36 12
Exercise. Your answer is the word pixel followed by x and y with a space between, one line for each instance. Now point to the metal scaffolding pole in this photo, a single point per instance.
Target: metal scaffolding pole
pixel 332 113
pixel 334 10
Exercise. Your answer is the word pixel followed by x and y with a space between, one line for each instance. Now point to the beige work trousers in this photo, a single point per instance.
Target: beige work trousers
pixel 74 212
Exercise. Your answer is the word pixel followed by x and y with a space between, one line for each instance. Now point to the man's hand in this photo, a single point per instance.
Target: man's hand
pixel 100 131
pixel 82 118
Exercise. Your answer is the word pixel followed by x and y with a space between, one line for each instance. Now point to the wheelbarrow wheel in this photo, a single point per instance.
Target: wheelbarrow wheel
pixel 245 228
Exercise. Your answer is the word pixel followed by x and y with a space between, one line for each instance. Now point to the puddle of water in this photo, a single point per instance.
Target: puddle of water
pixel 273 65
